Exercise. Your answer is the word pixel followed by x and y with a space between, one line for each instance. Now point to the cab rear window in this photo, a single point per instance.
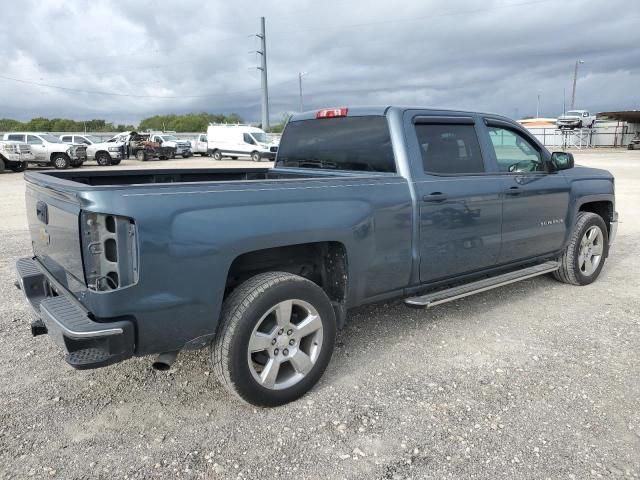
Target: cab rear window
pixel 344 143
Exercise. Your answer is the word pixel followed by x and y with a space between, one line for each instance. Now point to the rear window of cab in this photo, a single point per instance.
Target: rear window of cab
pixel 341 143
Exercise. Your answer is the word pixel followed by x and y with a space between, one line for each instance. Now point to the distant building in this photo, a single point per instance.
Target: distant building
pixel 538 122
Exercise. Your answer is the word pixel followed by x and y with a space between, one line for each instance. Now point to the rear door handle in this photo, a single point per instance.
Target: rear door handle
pixel 513 191
pixel 435 197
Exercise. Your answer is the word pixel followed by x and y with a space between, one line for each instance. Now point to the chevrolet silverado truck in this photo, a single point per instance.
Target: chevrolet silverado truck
pixel 15 156
pixel 49 150
pixel 262 265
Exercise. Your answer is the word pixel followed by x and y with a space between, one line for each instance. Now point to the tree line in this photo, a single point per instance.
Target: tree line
pixel 42 124
pixel 189 122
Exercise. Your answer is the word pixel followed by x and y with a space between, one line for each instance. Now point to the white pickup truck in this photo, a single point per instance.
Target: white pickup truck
pixel 104 153
pixel 51 151
pixel 181 147
pixel 200 145
pixel 14 156
pixel 576 119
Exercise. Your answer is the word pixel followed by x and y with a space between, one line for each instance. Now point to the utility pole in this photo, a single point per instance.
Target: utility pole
pixel 564 101
pixel 538 106
pixel 575 78
pixel 263 68
pixel 300 75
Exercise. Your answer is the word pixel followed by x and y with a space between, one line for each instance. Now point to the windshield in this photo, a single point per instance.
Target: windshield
pixel 345 143
pixel 50 138
pixel 92 138
pixel 169 138
pixel 573 113
pixel 260 137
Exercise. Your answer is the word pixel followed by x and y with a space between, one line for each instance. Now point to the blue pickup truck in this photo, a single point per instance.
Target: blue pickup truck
pixel 261 265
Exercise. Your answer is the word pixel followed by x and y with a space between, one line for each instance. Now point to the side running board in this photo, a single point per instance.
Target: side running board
pixel 454 293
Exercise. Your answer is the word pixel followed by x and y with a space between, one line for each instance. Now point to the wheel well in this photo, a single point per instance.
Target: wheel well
pixel 100 152
pixel 55 154
pixel 603 209
pixel 324 263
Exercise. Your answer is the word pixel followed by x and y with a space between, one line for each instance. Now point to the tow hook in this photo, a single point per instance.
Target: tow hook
pixel 38 328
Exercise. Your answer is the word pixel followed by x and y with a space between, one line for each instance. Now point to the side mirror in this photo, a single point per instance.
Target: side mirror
pixel 561 161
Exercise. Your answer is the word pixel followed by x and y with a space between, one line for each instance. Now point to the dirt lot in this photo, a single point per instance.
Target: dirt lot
pixel 534 380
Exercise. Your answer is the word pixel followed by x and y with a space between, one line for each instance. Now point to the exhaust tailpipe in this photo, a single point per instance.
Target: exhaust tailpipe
pixel 164 361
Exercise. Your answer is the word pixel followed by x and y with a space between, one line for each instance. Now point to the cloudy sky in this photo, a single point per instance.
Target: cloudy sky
pixel 126 60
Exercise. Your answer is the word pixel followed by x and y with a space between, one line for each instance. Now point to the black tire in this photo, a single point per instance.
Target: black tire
pixel 570 270
pixel 234 158
pixel 217 155
pixel 580 124
pixel 60 161
pixel 255 156
pixel 186 155
pixel 141 155
pixel 243 311
pixel 2 166
pixel 17 166
pixel 103 159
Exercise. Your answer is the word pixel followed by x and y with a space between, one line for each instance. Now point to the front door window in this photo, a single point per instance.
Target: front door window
pixel 514 153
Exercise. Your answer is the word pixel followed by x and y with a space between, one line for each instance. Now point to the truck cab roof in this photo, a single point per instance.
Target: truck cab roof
pixel 381 110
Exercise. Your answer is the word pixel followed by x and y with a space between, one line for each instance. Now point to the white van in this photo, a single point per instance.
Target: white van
pixel 240 141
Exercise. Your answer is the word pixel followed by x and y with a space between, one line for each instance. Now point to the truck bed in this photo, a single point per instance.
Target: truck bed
pixel 163 176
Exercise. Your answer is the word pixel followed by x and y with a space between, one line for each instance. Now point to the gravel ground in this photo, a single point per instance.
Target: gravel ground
pixel 534 380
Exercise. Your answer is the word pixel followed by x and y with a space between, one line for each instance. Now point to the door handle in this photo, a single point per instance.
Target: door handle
pixel 435 197
pixel 513 191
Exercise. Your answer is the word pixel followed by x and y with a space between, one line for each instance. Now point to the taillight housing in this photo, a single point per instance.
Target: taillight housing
pixel 109 251
pixel 332 112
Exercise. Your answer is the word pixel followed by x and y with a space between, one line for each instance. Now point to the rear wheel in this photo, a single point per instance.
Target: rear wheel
pixel 60 161
pixel 141 155
pixel 217 155
pixel 255 156
pixel 584 257
pixel 275 338
pixel 103 159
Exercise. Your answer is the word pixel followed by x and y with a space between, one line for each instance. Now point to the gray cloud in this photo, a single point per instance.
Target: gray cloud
pixel 462 54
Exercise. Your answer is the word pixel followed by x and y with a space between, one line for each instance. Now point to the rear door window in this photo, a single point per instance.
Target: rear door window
pixel 449 149
pixel 15 137
pixel 343 143
pixel 66 138
pixel 33 140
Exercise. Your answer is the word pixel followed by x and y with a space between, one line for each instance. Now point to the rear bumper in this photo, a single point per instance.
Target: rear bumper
pixel 86 342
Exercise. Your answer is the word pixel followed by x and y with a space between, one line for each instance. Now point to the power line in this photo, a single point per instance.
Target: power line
pixel 412 19
pixel 131 95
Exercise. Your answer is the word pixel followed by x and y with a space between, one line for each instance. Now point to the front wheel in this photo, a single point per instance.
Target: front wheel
pixel 17 167
pixel 103 159
pixel 217 155
pixel 60 161
pixel 275 338
pixel 584 257
pixel 255 156
pixel 141 155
